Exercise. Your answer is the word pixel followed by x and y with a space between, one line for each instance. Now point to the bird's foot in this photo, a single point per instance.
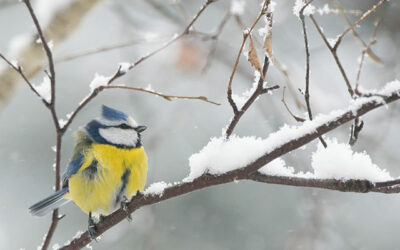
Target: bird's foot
pixel 139 194
pixel 124 206
pixel 92 227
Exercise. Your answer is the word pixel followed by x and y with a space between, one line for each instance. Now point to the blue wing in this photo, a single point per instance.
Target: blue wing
pixel 83 143
pixel 73 167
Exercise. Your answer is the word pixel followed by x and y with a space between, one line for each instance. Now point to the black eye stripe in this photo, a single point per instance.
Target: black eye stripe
pixel 123 126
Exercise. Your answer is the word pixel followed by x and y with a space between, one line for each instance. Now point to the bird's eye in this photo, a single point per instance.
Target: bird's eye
pixel 124 126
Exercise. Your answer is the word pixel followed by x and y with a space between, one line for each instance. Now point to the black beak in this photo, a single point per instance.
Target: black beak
pixel 140 129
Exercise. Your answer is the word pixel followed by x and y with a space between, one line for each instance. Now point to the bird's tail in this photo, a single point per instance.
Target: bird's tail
pixel 46 205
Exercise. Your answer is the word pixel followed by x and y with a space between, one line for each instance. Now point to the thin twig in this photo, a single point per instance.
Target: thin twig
pixel 257 92
pixel 108 48
pixel 246 172
pixel 361 19
pixel 120 73
pixel 373 56
pixel 20 71
pixel 297 118
pixel 51 106
pixel 367 48
pixel 334 54
pixel 167 97
pixel 235 65
pixel 307 77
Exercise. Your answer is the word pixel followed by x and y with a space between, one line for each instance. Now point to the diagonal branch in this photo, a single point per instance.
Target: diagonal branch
pixel 301 136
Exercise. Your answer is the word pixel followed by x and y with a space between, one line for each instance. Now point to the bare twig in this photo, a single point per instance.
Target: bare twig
pixel 51 106
pixel 249 172
pixel 366 50
pixel 173 40
pixel 307 89
pixel 361 19
pixel 166 97
pixel 257 92
pixel 297 118
pixel 20 71
pixel 245 36
pixel 334 54
pixel 372 55
pixel 108 48
pixel 333 48
pixel 120 73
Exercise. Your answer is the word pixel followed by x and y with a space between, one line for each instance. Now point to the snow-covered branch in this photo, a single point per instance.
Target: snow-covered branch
pixel 211 167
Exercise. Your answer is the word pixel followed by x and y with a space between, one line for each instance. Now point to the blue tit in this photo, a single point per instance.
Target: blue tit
pixel 108 166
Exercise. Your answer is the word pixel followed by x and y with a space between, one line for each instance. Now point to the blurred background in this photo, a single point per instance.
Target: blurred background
pixel 241 215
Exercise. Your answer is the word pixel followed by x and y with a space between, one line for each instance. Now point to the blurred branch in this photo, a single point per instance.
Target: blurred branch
pixel 371 54
pixel 214 39
pixel 249 171
pixel 30 57
pixel 108 48
pixel 166 97
pixel 367 50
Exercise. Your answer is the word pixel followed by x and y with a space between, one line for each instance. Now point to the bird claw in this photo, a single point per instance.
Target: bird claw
pixel 92 230
pixel 124 206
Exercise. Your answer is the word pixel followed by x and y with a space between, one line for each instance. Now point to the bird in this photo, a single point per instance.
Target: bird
pixel 108 167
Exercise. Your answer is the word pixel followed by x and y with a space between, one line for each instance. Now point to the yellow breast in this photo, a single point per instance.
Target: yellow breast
pixel 120 172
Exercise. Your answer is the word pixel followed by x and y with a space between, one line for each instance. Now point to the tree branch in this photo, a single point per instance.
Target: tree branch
pixel 307 90
pixel 314 129
pixel 246 33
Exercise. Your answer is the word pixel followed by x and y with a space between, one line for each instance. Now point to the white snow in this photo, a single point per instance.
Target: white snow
pixel 149 88
pixel 157 188
pixel 125 66
pixel 221 155
pixel 338 161
pixel 44 89
pixel 237 7
pixel 271 7
pixel 56 246
pixel 50 44
pixel 99 80
pixel 299 4
pixel 62 122
pixel 277 168
pixel 391 87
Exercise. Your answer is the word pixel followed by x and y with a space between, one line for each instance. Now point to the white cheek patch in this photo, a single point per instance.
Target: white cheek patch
pixel 127 137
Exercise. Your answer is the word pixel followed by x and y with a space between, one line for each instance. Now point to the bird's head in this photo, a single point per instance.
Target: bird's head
pixel 115 128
